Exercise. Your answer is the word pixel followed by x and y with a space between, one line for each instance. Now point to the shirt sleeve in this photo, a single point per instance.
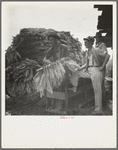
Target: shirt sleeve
pixel 103 47
pixel 99 55
pixel 100 52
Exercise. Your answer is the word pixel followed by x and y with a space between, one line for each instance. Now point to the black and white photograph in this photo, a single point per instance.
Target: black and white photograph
pixel 58 68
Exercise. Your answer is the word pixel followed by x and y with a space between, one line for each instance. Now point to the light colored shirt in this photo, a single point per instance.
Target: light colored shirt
pixel 96 58
pixel 102 46
pixel 90 60
pixel 99 56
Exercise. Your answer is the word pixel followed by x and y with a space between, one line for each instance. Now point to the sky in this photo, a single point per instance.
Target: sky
pixel 80 18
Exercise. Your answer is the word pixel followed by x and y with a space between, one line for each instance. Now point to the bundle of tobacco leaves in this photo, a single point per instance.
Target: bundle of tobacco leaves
pixel 49 77
pixel 19 77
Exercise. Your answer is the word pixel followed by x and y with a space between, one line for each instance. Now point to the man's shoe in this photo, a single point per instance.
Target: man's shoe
pixel 96 113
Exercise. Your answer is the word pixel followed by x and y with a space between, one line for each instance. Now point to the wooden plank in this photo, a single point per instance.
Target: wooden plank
pixel 56 95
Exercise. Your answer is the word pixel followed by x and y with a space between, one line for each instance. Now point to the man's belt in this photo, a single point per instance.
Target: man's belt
pixel 93 66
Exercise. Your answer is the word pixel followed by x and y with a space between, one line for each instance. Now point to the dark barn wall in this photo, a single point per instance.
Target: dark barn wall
pixel 105 23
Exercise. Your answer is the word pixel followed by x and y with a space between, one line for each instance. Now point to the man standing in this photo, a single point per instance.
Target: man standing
pixel 102 46
pixel 56 52
pixel 95 62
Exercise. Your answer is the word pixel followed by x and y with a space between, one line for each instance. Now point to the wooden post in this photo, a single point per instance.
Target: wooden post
pixel 85 90
pixel 46 99
pixel 66 99
pixel 66 95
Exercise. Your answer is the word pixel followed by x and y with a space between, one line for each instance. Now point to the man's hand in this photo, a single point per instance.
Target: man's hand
pixel 82 67
pixel 49 62
pixel 79 68
pixel 62 60
pixel 101 68
pixel 105 62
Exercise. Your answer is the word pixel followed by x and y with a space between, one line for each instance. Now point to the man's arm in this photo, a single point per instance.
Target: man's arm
pixel 86 62
pixel 103 47
pixel 45 60
pixel 105 61
pixel 84 66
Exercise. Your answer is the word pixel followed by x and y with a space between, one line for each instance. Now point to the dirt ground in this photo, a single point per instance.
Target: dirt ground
pixel 28 105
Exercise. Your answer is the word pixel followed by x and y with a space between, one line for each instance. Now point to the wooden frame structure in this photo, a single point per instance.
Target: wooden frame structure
pixel 66 95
